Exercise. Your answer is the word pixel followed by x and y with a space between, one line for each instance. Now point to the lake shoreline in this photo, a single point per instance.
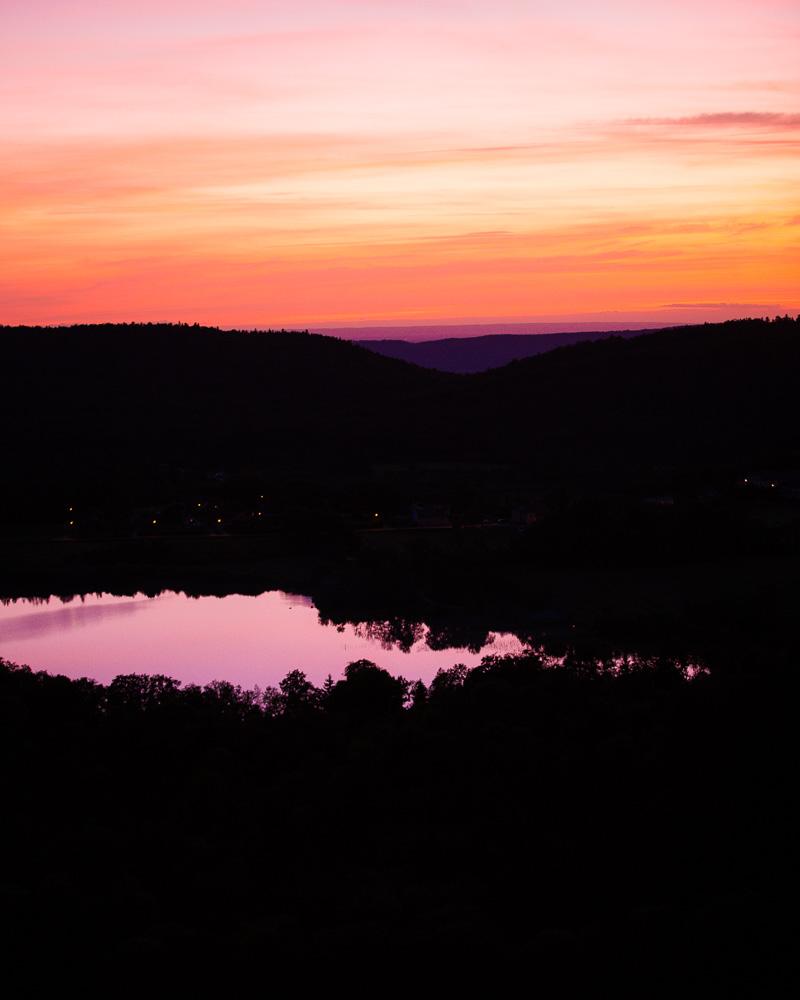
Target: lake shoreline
pixel 692 604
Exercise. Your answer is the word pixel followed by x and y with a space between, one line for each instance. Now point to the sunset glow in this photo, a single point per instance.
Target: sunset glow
pixel 255 163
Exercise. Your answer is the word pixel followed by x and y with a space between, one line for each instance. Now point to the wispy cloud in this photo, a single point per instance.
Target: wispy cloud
pixel 727 119
pixel 720 305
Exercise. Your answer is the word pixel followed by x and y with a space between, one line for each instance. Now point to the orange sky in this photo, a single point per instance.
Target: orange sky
pixel 256 164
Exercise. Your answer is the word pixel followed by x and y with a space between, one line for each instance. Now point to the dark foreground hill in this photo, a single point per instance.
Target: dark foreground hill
pixel 152 411
pixel 465 355
pixel 695 398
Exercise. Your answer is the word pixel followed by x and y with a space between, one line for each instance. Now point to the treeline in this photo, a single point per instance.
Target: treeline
pixel 570 815
pixel 365 692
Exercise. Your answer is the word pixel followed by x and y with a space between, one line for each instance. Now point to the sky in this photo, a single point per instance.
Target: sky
pixel 254 163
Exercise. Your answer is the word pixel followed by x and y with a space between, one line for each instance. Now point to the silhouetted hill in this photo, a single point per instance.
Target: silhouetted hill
pixel 711 394
pixel 465 355
pixel 111 405
pixel 102 410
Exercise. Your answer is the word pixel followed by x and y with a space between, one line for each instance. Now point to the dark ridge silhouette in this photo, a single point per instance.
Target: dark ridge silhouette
pixel 467 355
pixel 695 397
pixel 595 815
pixel 130 410
pixel 136 414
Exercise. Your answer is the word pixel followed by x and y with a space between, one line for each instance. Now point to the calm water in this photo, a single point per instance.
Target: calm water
pixel 247 640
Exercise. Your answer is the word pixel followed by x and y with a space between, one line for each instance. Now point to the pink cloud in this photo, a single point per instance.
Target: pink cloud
pixel 728 119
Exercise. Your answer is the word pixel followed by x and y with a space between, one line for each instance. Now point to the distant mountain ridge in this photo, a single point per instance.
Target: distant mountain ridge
pixel 469 355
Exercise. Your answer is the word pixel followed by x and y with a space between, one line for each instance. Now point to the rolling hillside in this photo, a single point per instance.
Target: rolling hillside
pixel 134 408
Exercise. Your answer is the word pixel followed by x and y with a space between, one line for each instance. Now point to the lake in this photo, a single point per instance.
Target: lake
pixel 247 640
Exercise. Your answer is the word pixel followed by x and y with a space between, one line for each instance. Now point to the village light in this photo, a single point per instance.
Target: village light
pixel 154 521
pixel 219 520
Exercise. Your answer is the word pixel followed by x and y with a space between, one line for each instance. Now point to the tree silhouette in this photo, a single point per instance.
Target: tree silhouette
pixel 368 691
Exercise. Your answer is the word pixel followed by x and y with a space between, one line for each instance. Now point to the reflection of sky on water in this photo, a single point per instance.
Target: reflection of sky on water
pixel 248 640
pixel 36 624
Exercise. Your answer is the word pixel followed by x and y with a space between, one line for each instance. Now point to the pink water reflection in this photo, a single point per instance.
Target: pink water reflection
pixel 247 640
